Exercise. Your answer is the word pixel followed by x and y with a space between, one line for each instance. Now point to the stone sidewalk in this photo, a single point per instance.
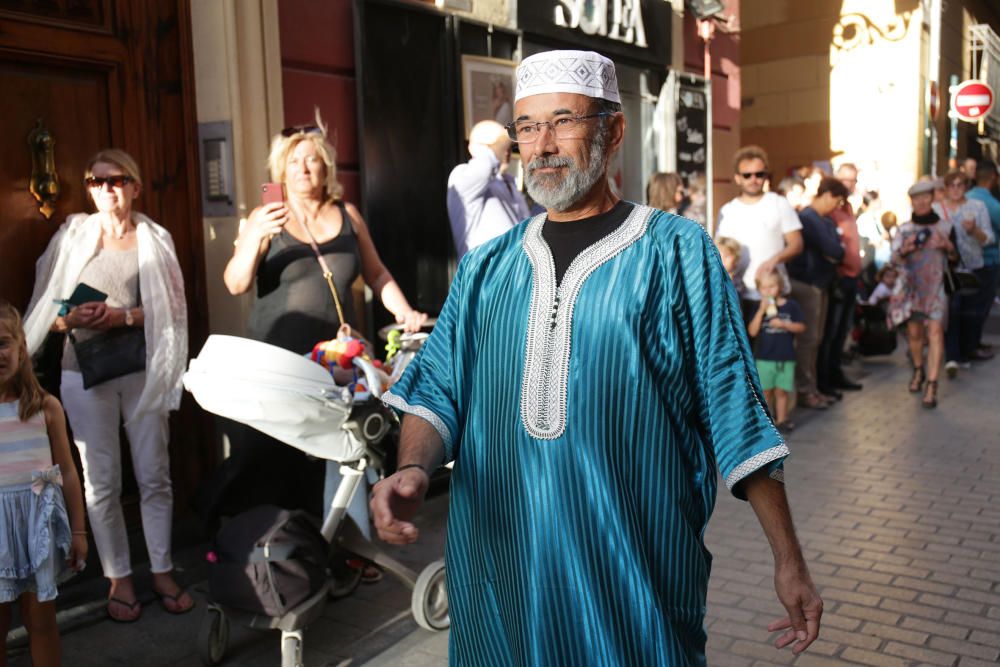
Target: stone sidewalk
pixel 898 512
pixel 897 507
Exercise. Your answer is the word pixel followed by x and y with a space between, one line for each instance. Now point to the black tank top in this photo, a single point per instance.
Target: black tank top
pixel 294 308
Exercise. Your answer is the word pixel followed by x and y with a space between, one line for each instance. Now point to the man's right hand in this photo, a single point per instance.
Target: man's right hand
pixel 395 501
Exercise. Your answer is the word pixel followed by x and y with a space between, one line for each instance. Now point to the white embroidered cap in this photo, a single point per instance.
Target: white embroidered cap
pixel 583 72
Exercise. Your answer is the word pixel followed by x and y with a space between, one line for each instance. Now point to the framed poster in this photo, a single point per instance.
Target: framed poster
pixel 487 90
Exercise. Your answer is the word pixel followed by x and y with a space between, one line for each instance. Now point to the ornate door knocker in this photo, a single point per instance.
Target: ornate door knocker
pixel 44 184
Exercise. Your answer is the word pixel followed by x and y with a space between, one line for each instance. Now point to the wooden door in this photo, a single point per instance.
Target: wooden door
pixel 97 74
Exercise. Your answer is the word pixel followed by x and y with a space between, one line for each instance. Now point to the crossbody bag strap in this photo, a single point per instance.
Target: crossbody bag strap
pixel 327 274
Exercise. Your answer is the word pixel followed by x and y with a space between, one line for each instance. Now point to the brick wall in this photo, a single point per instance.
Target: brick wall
pixel 785 57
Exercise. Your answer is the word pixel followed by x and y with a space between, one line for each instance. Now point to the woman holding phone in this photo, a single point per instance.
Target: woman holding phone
pixel 921 250
pixel 277 251
pixel 139 328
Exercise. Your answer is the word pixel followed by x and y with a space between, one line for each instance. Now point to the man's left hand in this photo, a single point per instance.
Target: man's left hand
pixel 797 593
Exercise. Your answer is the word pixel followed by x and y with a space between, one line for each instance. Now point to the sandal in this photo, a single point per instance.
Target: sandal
pixel 131 606
pixel 930 397
pixel 812 401
pixel 178 607
pixel 917 381
pixel 371 575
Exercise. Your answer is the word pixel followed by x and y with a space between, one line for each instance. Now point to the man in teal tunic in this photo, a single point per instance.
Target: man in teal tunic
pixel 589 376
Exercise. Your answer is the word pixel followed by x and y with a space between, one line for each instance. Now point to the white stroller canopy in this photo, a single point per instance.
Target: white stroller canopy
pixel 277 392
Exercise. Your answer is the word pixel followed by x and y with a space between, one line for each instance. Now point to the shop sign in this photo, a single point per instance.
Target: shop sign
pixel 614 19
pixel 636 30
pixel 692 131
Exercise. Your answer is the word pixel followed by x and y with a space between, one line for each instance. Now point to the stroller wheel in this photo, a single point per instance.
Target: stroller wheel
pixel 291 649
pixel 429 603
pixel 213 636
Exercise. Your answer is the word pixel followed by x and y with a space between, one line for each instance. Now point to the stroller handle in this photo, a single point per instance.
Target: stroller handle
pixel 371 375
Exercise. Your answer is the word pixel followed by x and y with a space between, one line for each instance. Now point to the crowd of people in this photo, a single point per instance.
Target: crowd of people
pixel 810 256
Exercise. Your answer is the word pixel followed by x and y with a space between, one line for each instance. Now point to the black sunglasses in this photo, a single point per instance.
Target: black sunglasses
pixel 114 181
pixel 301 129
pixel 747 175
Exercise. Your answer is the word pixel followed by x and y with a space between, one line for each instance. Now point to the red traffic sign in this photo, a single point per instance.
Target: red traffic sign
pixel 971 100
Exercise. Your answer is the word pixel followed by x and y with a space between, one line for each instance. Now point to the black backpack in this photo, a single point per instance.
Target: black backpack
pixel 267 560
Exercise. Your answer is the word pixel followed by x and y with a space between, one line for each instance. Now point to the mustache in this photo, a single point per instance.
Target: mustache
pixel 542 162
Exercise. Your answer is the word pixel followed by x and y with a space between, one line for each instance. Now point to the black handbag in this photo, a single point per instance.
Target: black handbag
pixel 956 280
pixel 960 282
pixel 110 355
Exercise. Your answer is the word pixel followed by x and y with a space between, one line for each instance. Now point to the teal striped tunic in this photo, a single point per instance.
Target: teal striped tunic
pixel 587 421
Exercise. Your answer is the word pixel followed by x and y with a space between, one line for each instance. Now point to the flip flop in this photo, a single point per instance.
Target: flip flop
pixel 176 599
pixel 129 605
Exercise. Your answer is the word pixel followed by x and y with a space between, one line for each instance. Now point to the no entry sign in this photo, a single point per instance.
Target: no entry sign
pixel 971 100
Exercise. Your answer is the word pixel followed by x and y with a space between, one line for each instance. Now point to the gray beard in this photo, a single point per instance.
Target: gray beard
pixel 557 193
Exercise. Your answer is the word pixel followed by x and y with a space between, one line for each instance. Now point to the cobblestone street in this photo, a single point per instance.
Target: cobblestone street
pixel 896 508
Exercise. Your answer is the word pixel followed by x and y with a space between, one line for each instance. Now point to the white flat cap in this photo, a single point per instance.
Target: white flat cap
pixel 582 72
pixel 921 186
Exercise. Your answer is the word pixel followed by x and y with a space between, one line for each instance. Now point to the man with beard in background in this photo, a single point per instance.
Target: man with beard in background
pixel 590 376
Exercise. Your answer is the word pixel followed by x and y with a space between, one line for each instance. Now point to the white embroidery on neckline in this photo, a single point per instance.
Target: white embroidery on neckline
pixel 550 320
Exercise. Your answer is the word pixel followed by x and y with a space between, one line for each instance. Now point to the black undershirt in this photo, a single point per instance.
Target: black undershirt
pixel 566 240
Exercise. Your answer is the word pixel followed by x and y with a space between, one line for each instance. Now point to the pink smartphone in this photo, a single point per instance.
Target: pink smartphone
pixel 272 193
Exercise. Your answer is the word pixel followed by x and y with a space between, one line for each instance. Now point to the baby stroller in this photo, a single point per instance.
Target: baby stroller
pixel 872 334
pixel 296 401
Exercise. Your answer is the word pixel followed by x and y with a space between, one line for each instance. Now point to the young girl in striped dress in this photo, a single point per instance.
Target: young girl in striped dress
pixel 39 542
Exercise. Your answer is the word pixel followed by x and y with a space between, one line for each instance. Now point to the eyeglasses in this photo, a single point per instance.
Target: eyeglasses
pixel 565 127
pixel 301 129
pixel 747 175
pixel 117 181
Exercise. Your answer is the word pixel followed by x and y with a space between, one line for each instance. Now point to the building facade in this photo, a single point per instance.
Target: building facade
pixel 862 81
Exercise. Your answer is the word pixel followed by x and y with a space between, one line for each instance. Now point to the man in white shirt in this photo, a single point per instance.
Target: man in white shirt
pixel 764 223
pixel 483 200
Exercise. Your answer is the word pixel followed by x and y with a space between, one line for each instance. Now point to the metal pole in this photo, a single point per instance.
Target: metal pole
pixel 706 30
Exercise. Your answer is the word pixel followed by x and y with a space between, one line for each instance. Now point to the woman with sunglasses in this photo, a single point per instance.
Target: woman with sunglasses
pixel 120 253
pixel 276 252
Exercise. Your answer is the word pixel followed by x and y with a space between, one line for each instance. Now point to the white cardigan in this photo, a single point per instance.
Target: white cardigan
pixel 161 287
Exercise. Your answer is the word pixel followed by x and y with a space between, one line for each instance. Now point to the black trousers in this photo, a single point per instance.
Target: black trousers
pixel 839 317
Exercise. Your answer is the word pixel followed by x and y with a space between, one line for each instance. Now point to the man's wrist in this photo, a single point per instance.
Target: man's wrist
pixel 414 465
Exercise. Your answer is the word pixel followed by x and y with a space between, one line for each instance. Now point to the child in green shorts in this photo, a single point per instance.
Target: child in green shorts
pixel 774 325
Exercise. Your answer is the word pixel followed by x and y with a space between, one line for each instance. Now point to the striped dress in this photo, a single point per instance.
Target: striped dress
pixel 588 421
pixel 34 528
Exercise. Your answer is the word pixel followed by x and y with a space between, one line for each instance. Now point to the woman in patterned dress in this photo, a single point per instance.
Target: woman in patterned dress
pixel 921 250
